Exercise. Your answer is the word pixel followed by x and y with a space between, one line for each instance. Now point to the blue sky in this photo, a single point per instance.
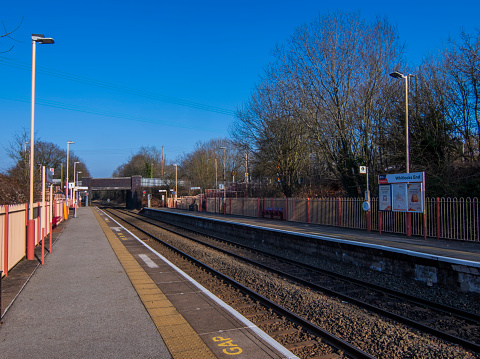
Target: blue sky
pixel 126 74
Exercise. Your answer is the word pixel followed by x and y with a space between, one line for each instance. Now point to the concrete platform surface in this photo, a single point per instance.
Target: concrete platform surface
pixel 80 304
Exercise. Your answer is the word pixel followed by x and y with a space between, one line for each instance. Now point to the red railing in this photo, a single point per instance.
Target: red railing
pixel 13 223
pixel 448 218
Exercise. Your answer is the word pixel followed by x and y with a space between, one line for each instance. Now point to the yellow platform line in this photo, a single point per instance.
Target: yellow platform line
pixel 182 341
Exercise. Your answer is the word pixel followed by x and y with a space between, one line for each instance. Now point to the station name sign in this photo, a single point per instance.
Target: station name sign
pixel 401 178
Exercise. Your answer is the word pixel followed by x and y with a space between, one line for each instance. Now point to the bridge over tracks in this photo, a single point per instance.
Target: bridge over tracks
pixel 130 184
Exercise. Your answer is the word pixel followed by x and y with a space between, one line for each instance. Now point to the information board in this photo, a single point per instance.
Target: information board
pixel 403 192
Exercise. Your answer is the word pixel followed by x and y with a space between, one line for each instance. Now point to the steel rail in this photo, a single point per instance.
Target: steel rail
pixel 412 323
pixel 328 337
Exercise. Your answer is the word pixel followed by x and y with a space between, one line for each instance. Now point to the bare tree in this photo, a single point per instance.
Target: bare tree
pixel 7 34
pixel 332 80
pixel 199 166
pixel 147 162
pixel 47 154
pixel 461 67
pixel 271 127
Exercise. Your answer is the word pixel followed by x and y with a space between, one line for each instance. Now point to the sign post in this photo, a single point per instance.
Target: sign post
pixel 366 204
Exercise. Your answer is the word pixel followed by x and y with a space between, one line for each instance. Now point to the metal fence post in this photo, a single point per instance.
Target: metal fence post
pixel 380 222
pixel 286 209
pixel 437 202
pixel 339 212
pixel 5 246
pixel 308 210
pixel 1 310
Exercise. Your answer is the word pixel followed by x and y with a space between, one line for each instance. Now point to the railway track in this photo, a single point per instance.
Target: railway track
pixel 446 323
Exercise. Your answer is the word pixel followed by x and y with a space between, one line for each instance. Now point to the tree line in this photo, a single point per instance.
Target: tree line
pixel 327 106
pixel 46 154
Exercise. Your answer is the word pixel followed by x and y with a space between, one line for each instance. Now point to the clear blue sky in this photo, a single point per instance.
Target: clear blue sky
pixel 126 74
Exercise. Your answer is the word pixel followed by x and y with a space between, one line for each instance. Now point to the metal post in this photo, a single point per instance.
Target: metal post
pixel 31 222
pixel 1 310
pixel 339 212
pixel 437 202
pixel 43 218
pixel 308 210
pixel 51 215
pixel 5 245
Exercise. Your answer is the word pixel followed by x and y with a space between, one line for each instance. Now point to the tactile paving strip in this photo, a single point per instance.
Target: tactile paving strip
pixel 179 336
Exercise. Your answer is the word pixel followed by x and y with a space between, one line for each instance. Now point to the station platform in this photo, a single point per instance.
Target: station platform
pixel 432 247
pixel 435 262
pixel 103 293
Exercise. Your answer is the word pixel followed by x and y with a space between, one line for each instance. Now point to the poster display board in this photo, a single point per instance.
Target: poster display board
pixel 399 197
pixel 384 198
pixel 415 197
pixel 404 192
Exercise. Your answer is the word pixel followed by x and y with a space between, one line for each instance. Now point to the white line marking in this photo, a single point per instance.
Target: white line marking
pixel 116 229
pixel 248 324
pixel 148 261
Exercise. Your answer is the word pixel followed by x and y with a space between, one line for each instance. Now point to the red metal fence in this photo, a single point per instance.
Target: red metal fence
pixel 13 224
pixel 448 218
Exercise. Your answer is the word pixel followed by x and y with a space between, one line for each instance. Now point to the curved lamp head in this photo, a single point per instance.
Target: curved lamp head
pixel 41 39
pixel 397 75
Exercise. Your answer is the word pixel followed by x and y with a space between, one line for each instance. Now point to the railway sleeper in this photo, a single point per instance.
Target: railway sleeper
pixel 256 314
pixel 281 333
pixel 327 356
pixel 433 320
pixel 300 345
pixel 276 321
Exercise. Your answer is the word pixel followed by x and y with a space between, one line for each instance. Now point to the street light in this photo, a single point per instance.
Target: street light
pixel 74 180
pixel 31 222
pixel 68 156
pixel 176 187
pixel 224 179
pixel 76 185
pixel 216 177
pixel 399 75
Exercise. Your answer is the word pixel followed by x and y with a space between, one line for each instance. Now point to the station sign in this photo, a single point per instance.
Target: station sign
pixel 404 192
pixel 49 175
pixel 401 178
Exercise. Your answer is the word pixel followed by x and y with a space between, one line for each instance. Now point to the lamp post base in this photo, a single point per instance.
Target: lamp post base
pixel 30 239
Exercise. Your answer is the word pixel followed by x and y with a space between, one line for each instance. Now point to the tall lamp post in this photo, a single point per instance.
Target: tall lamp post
pixel 398 75
pixel 176 181
pixel 74 179
pixel 224 179
pixel 76 185
pixel 68 156
pixel 41 39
